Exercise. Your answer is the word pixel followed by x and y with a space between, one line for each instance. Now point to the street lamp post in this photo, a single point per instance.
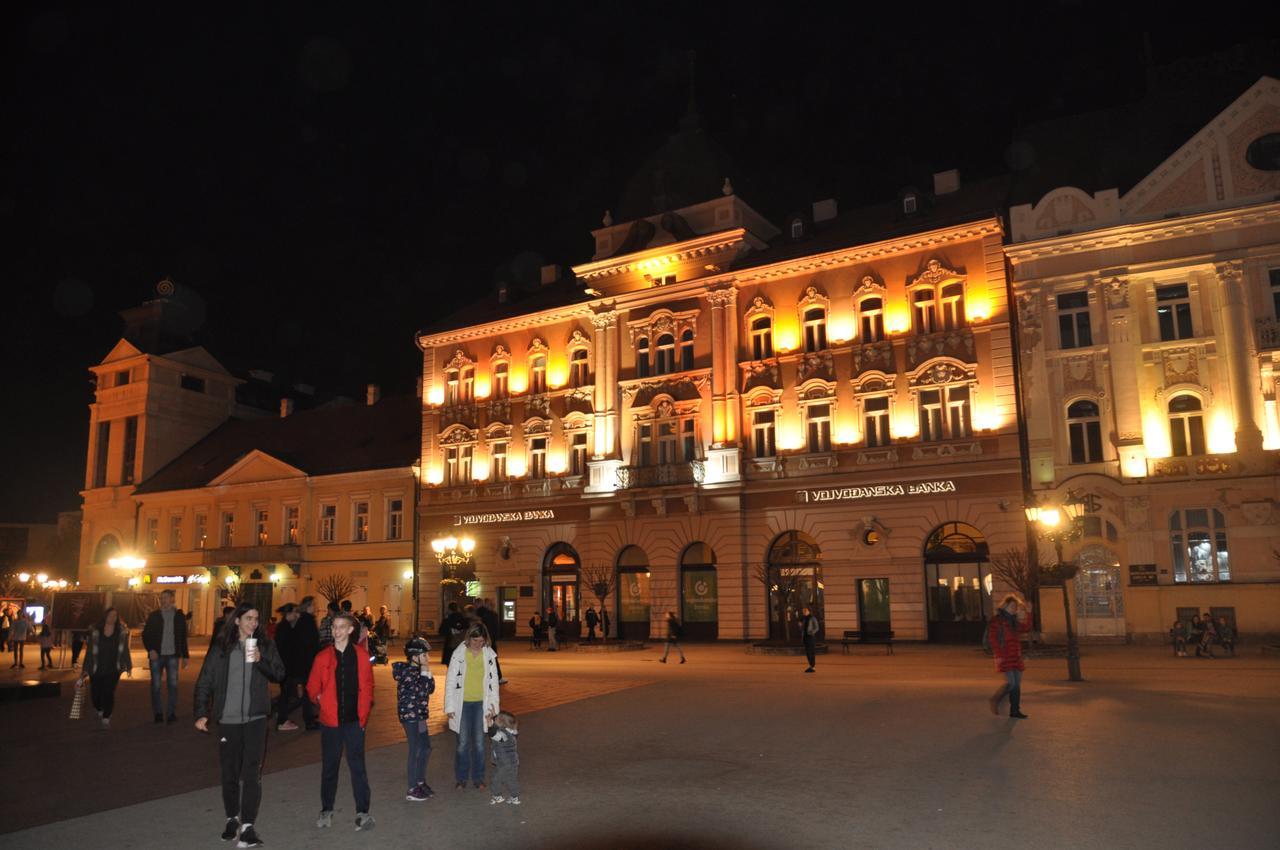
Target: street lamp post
pixel 452 552
pixel 1051 527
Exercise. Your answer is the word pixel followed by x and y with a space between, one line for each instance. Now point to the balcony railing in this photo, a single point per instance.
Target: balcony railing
pixel 252 555
pixel 1200 466
pixel 661 475
pixel 1268 334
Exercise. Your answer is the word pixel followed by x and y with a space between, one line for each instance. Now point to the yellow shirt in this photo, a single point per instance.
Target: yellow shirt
pixel 473 678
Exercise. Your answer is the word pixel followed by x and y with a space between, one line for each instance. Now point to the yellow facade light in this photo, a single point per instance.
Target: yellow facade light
pixel 408 574
pixel 1221 438
pixel 24 577
pixel 231 579
pixel 467 544
pixel 840 328
pixel 435 396
pixel 127 562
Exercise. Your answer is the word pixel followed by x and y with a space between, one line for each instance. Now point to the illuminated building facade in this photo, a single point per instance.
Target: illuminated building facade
pixel 1150 336
pixel 734 421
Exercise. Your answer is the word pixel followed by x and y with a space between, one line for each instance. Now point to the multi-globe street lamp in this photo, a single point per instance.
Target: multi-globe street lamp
pixel 1061 525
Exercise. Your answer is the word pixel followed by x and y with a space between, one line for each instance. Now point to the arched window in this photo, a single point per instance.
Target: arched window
pixel 666 355
pixel 871 315
pixel 924 310
pixel 686 350
pixel 108 547
pixel 578 376
pixel 642 357
pixel 1199 540
pixel 633 594
pixel 952 306
pixel 699 592
pixel 958 583
pixel 560 568
pixel 761 338
pixel 500 385
pixel 1186 426
pixel 794 582
pixel 1084 429
pixel 815 329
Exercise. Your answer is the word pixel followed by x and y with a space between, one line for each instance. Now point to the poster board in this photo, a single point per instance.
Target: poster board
pixel 134 607
pixel 77 610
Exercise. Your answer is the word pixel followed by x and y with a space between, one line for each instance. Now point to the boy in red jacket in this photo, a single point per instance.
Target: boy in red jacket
pixel 341 683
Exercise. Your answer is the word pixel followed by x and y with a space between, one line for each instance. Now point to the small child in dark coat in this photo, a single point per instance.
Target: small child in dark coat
pixel 506 758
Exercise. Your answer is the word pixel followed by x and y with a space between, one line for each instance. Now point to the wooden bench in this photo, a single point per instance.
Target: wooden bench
pixel 855 636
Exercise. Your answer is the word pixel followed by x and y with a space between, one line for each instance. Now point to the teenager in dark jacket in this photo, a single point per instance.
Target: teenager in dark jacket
pixel 232 690
pixel 809 627
pixel 164 637
pixel 1011 622
pixel 593 620
pixel 341 682
pixel 674 631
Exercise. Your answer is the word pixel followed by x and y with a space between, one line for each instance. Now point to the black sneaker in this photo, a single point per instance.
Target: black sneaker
pixel 172 718
pixel 249 838
pixel 159 718
pixel 233 828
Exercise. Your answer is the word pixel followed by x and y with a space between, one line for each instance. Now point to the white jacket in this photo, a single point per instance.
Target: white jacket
pixel 455 681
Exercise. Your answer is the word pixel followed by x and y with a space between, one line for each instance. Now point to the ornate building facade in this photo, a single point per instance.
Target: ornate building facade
pixel 1149 340
pixel 734 422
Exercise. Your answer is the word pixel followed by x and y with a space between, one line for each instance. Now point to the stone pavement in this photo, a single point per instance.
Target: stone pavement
pixel 747 752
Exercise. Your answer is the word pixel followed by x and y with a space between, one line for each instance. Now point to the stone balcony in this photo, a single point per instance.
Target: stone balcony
pixel 661 475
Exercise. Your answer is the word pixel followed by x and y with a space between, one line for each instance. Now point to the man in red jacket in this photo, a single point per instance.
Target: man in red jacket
pixel 1011 622
pixel 341 683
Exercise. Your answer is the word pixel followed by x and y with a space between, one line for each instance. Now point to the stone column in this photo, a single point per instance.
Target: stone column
pixel 1124 336
pixel 1241 357
pixel 601 322
pixel 722 359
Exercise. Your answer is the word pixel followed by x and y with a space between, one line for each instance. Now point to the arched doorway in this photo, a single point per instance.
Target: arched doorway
pixel 699 593
pixel 1099 593
pixel 957 581
pixel 561 568
pixel 108 547
pixel 794 582
pixel 633 594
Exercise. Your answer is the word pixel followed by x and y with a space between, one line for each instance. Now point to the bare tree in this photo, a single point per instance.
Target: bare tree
pixel 782 584
pixel 8 584
pixel 336 587
pixel 1014 568
pixel 601 580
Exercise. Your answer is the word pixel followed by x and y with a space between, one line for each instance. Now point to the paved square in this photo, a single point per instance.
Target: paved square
pixel 734 751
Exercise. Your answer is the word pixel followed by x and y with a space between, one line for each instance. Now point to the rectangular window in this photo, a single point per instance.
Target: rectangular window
pixel 451 387
pixel 1274 275
pixel 815 329
pixel 360 522
pixel 538 457
pixel 191 382
pixel 762 433
pixel 228 529
pixel 1086 441
pixel 644 445
pixel 201 530
pixel 291 519
pixel 761 338
pixel 451 478
pixel 130 450
pixel 538 375
pixel 578 453
pixel 818 420
pixel 959 421
pixel 1173 311
pixel 875 421
pixel 686 351
pixel 1074 330
pixel 122 377
pixel 925 311
pixel 500 380
pixel 498 462
pixel 467 392
pixel 666 442
pixel 465 455
pixel 688 441
pixel 666 362
pixel 578 376
pixel 152 537
pixel 871 312
pixel 395 519
pixel 952 298
pixel 328 522
pixel 260 519
pixel 931 415
pixel 100 461
pixel 175 532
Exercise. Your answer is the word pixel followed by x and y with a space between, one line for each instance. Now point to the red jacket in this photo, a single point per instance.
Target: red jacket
pixel 321 688
pixel 1006 643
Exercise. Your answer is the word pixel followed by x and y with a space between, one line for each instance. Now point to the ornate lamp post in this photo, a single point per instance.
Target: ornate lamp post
pixel 1061 525
pixel 452 552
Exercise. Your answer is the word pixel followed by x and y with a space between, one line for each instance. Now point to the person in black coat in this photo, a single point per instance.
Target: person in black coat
pixel 489 618
pixel 298 639
pixel 451 630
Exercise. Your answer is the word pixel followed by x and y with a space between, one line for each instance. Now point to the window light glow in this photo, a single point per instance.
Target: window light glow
pixel 480 468
pixel 840 327
pixel 435 474
pixel 518 379
pixel 517 465
pixel 905 425
pixel 483 387
pixel 790 432
pixel 977 309
pixel 1133 461
pixel 436 396
pixel 1222 432
pixel 985 419
pixel 1155 433
pixel 896 320
pixel 556 462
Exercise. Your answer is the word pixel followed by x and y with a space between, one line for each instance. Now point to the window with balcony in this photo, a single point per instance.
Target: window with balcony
pixel 1199 540
pixel 501 388
pixel 642 357
pixel 665 362
pixel 328 523
pixel 151 536
pixel 1186 426
pixel 498 461
pixel 1084 432
pixel 578 453
pixel 360 522
pixel 924 311
pixel 815 329
pixel 686 350
pixel 644 445
pixel 667 441
pixel 688 440
pixel 1074 330
pixel 931 415
pixel 763 442
pixel 457 465
pixel 175 532
pixel 871 319
pixel 875 421
pixel 817 427
pixel 451 387
pixel 228 529
pixel 395 519
pixel 578 372
pixel 538 457
pixel 201 530
pixel 1173 312
pixel 292 516
pixel 260 519
pixel 538 374
pixel 761 338
pixel 951 302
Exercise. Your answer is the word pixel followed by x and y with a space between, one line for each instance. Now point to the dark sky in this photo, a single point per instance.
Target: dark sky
pixel 329 180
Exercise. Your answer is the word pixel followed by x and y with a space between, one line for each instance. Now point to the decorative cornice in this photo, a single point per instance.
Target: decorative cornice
pixel 690 249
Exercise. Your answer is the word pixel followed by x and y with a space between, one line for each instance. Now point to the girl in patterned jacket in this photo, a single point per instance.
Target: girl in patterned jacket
pixel 414 686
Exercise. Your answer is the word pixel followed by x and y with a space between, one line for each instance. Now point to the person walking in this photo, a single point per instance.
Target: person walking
pixel 164 636
pixel 233 691
pixel 326 624
pixel 46 647
pixel 535 631
pixel 674 632
pixel 6 624
pixel 306 643
pixel 294 677
pixel 551 623
pixel 106 657
pixel 452 628
pixel 471 700
pixel 414 687
pixel 77 645
pixel 593 620
pixel 341 683
pixel 19 633
pixel 489 619
pixel 1004 634
pixel 809 630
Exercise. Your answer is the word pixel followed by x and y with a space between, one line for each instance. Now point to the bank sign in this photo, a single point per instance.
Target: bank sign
pixel 876 491
pixel 502 516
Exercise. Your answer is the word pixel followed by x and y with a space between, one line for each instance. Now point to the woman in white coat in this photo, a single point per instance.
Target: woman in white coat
pixel 471 702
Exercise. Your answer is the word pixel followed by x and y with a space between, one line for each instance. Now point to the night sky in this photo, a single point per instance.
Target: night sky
pixel 327 184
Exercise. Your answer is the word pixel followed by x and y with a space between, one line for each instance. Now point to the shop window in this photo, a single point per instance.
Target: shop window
pixel 1186 426
pixel 761 338
pixel 815 329
pixel 875 421
pixel 1074 330
pixel 1173 312
pixel 871 317
pixel 1198 537
pixel 1084 431
pixel 763 443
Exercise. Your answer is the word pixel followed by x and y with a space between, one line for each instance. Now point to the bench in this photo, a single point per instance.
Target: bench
pixel 855 636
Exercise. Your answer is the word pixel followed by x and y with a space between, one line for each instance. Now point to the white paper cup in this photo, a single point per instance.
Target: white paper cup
pixel 250 648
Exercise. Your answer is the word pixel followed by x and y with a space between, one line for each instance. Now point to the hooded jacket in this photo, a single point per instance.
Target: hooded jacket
pixel 455 681
pixel 211 685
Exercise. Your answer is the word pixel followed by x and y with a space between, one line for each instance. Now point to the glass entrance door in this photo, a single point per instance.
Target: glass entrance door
pixel 564 599
pixel 1099 602
pixel 791 589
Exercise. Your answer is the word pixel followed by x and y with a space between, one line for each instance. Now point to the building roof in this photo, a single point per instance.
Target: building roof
pixel 325 441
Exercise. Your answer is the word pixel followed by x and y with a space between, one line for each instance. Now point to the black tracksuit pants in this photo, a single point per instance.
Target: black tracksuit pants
pixel 241 748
